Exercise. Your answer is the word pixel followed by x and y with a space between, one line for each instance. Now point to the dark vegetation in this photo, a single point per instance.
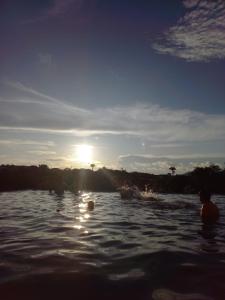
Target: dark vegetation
pixel 106 180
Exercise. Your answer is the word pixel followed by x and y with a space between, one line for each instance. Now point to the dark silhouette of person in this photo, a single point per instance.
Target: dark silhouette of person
pixel 90 205
pixel 209 211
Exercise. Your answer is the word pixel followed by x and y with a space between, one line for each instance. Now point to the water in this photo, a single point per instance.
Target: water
pixel 53 247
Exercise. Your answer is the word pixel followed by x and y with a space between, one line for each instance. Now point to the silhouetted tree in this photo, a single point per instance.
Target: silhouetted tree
pixel 173 170
pixel 92 166
pixel 107 180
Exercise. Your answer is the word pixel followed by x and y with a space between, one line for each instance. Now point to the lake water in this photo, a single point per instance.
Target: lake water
pixel 53 247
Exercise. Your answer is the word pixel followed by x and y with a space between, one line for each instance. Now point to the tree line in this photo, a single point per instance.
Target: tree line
pixel 42 177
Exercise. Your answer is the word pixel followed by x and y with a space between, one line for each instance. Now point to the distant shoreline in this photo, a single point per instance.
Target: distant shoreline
pixel 17 178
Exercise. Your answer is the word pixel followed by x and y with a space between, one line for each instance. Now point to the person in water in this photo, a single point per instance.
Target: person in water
pixel 209 211
pixel 136 192
pixel 90 205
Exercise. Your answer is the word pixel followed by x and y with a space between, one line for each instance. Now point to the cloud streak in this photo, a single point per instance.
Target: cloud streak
pixel 199 35
pixel 39 112
pixel 26 142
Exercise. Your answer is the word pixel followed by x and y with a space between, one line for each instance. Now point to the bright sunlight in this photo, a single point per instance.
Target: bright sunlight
pixel 84 153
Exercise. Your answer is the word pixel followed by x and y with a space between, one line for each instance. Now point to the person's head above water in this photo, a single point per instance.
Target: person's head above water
pixel 204 195
pixel 90 205
pixel 209 211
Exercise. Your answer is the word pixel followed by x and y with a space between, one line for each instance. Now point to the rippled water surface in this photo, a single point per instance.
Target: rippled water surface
pixel 53 247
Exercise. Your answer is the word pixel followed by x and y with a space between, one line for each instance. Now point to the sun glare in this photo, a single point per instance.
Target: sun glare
pixel 84 153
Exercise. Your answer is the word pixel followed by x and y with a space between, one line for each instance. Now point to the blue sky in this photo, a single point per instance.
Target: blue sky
pixel 141 82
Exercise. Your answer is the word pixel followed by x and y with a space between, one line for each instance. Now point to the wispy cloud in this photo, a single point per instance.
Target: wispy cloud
pixel 190 3
pixel 161 164
pixel 199 35
pixel 145 157
pixel 32 96
pixel 60 6
pixel 57 9
pixel 46 114
pixel 26 142
pixel 41 152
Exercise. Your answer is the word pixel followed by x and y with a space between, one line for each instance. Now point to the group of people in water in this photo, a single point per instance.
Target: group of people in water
pixel 209 211
pixel 132 191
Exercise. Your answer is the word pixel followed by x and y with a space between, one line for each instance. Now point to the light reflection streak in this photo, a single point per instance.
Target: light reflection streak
pixel 77 226
pixel 83 215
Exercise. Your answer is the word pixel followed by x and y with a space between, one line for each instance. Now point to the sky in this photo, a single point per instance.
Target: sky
pixel 132 84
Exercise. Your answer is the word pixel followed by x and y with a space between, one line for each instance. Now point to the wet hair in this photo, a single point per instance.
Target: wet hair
pixel 205 194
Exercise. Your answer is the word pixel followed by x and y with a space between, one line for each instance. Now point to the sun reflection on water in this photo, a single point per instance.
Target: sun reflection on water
pixel 77 226
pixel 83 216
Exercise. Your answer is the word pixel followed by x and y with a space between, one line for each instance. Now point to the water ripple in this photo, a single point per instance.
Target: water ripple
pixel 119 240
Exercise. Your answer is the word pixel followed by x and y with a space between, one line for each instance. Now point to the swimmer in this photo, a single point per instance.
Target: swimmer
pixel 209 211
pixel 90 205
pixel 136 192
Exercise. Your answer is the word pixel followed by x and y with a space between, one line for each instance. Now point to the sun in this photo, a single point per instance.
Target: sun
pixel 84 153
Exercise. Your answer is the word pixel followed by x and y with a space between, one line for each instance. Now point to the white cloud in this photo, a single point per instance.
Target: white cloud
pixel 199 35
pixel 39 112
pixel 26 142
pixel 192 156
pixel 41 152
pixel 161 164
